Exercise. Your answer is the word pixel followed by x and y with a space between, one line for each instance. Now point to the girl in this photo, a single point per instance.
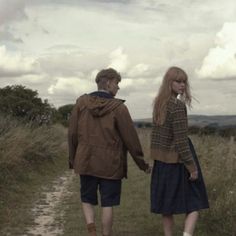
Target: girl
pixel 177 185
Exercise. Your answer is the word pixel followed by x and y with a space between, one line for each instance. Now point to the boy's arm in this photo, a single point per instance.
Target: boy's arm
pixel 72 135
pixel 130 137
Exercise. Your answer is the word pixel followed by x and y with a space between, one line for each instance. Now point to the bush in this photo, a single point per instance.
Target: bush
pixel 29 158
pixel 64 114
pixel 21 102
pixel 24 145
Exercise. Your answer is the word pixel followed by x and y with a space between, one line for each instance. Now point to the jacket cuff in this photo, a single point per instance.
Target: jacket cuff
pixel 70 165
pixel 141 163
pixel 191 167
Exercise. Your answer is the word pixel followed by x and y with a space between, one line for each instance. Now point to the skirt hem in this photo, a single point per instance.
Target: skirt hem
pixel 179 212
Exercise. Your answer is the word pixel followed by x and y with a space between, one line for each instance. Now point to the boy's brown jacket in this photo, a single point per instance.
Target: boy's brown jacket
pixel 100 133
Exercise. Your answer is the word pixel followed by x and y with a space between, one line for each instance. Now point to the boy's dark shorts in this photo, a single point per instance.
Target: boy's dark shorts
pixel 110 190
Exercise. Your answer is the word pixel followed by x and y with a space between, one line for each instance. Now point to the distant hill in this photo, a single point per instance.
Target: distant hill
pixel 203 121
pixel 213 121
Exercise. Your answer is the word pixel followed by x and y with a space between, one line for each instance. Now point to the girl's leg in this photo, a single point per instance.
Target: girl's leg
pixel 168 224
pixel 190 222
pixel 107 220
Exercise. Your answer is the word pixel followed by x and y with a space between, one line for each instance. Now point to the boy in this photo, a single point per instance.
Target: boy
pixel 100 133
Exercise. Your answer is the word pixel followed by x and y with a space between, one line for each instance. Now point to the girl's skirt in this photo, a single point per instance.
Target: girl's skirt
pixel 171 190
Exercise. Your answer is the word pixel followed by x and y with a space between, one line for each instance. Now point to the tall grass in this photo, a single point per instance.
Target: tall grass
pixel 23 145
pixel 218 160
pixel 28 155
pixel 217 157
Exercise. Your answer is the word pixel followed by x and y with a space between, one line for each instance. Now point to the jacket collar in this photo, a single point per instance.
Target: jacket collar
pixel 101 94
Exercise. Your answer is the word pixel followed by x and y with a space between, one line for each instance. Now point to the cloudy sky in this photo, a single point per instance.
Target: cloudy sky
pixel 57 46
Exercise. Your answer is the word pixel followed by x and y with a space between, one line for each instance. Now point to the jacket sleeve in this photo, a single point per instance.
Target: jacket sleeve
pixel 129 136
pixel 73 135
pixel 180 130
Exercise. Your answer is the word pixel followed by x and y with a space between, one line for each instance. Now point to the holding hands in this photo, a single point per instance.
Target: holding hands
pixel 148 170
pixel 193 175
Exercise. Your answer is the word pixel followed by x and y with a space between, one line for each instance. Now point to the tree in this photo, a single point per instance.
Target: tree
pixel 22 102
pixel 64 113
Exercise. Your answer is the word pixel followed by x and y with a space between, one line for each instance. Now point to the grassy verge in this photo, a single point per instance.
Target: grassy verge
pixel 30 158
pixel 17 200
pixel 217 156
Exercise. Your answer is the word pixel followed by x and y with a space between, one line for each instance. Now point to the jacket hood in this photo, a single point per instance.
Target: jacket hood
pixel 100 106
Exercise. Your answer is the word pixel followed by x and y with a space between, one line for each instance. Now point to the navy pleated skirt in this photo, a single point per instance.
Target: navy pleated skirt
pixel 171 190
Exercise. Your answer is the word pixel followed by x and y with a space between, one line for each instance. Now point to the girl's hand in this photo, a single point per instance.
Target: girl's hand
pixel 193 175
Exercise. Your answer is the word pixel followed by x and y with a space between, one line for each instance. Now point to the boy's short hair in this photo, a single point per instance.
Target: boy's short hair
pixel 106 74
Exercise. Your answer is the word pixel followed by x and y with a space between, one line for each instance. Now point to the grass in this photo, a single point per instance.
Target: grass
pixel 133 218
pixel 218 159
pixel 30 158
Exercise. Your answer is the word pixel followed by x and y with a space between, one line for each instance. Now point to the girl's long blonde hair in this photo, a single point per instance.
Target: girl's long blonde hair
pixel 165 93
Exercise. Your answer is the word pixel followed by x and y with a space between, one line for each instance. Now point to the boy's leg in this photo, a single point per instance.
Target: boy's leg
pixel 107 220
pixel 88 191
pixel 88 210
pixel 89 215
pixel 168 224
pixel 186 234
pixel 190 222
pixel 110 191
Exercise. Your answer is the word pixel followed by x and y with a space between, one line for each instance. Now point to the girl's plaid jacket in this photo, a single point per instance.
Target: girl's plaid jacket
pixel 169 142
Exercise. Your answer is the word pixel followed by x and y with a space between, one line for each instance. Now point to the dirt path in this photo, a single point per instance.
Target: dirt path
pixel 47 222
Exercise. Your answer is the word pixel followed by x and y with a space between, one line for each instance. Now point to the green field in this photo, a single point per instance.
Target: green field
pixel 218 160
pixel 42 159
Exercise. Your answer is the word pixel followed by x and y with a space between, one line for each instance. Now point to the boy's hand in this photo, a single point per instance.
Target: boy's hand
pixel 70 165
pixel 148 170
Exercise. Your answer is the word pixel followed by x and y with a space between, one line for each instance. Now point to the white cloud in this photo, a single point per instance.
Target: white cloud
pixel 67 90
pixel 7 36
pixel 57 47
pixel 71 61
pixel 12 10
pixel 221 60
pixel 74 86
pixel 94 74
pixel 139 70
pixel 16 64
pixel 119 60
pixel 126 83
pixel 33 80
